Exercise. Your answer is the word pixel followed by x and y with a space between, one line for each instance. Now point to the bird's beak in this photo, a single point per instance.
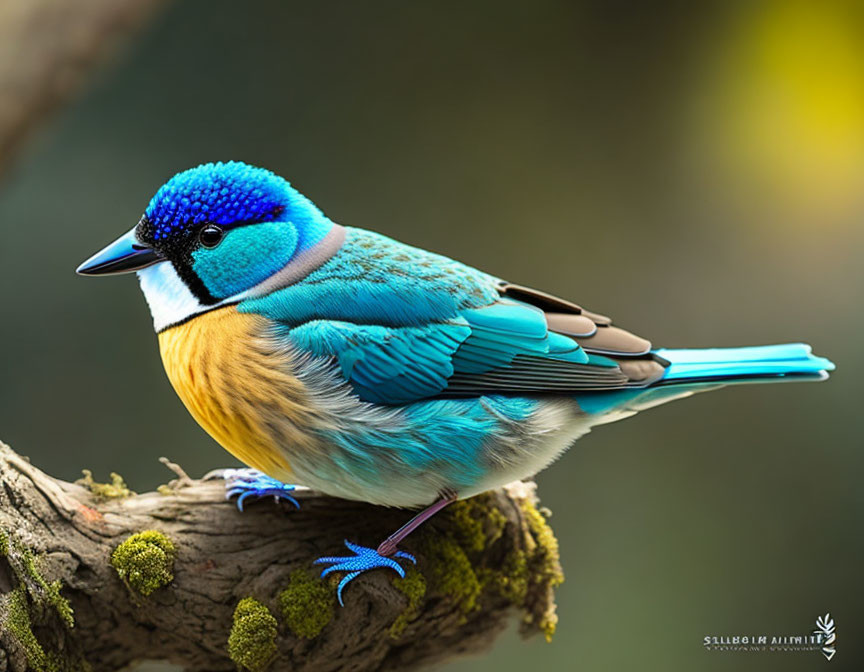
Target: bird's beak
pixel 124 255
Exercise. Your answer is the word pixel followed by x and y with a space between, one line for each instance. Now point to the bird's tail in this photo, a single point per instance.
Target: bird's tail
pixel 690 371
pixel 765 363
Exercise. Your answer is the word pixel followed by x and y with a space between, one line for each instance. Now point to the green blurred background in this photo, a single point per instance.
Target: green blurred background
pixel 695 171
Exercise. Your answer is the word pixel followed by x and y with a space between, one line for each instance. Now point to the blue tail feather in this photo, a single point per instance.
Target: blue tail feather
pixel 690 371
pixel 788 360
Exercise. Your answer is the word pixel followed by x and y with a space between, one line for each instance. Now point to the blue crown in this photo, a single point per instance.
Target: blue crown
pixel 218 193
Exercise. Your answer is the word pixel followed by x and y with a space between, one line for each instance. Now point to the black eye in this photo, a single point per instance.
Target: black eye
pixel 211 236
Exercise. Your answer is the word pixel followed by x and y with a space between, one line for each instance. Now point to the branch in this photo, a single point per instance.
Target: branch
pixel 46 49
pixel 180 592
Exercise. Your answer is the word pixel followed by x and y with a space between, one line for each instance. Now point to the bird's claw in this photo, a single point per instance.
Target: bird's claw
pixel 363 560
pixel 246 483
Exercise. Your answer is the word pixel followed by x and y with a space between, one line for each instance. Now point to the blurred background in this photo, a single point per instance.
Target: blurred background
pixel 695 170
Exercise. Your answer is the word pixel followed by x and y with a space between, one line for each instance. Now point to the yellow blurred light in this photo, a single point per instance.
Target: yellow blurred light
pixel 787 110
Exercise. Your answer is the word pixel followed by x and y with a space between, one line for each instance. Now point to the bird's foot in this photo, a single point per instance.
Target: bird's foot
pixel 363 560
pixel 246 483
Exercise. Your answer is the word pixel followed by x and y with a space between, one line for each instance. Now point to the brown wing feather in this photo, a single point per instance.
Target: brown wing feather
pixel 594 332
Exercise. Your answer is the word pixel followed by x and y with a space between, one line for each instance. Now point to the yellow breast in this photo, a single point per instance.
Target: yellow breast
pixel 241 392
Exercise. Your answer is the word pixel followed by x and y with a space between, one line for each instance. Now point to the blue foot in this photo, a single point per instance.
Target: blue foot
pixel 246 483
pixel 363 560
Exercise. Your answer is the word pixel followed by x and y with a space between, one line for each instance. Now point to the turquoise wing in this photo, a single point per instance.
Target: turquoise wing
pixel 404 324
pixel 505 347
pixel 388 365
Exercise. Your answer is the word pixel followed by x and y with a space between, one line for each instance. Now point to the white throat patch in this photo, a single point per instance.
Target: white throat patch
pixel 169 298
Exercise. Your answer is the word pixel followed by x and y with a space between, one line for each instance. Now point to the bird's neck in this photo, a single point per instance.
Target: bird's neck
pixel 171 301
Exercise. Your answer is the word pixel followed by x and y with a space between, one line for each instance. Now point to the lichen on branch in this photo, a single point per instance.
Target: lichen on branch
pixel 252 642
pixel 33 598
pixel 145 561
pixel 307 603
pixel 116 489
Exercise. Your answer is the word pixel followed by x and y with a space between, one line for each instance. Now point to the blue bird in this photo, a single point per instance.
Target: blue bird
pixel 367 369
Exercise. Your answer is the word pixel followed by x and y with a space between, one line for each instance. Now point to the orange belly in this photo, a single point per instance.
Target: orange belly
pixel 239 391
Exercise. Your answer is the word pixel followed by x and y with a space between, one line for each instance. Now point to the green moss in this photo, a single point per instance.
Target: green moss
pixel 60 603
pixel 145 561
pixel 467 525
pixel 16 619
pixel 547 545
pixel 451 572
pixel 34 597
pixel 547 558
pixel 513 579
pixel 50 591
pixel 413 586
pixel 25 564
pixel 252 642
pixel 476 522
pixel 56 662
pixel 307 603
pixel 544 564
pixel 116 489
pixel 496 522
pixel 462 566
pixel 455 558
pixel 460 563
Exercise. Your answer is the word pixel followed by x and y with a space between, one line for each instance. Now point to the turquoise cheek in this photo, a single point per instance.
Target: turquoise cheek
pixel 246 256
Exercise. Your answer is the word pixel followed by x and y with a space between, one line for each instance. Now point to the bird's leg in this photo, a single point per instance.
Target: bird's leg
pixel 365 558
pixel 388 546
pixel 246 483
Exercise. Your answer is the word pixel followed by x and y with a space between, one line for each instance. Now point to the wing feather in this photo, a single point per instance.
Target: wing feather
pixel 404 324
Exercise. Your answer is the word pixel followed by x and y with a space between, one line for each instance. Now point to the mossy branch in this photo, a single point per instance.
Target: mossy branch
pixel 96 582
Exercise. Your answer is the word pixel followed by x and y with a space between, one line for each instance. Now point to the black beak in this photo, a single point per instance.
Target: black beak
pixel 124 255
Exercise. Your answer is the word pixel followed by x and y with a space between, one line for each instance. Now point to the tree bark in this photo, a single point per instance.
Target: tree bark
pixel 479 562
pixel 46 49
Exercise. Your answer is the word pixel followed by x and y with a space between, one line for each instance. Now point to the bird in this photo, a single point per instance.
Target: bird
pixel 342 360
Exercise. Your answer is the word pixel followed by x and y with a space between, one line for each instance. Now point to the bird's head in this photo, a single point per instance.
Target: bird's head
pixel 210 234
